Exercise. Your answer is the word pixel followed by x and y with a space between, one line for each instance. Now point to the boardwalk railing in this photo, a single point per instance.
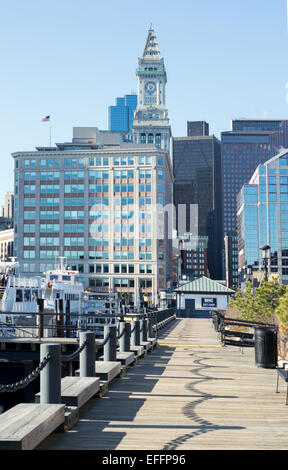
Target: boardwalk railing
pixel 143 327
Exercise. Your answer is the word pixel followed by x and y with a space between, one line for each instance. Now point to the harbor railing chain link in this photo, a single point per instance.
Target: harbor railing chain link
pixel 70 357
pixel 99 345
pixel 24 382
pixel 121 334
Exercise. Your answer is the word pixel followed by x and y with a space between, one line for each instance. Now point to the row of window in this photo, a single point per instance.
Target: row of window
pixel 93 174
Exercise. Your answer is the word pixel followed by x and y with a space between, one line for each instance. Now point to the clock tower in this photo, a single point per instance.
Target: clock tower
pixel 151 123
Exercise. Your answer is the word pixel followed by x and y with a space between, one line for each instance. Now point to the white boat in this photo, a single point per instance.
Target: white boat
pixel 58 289
pixel 61 284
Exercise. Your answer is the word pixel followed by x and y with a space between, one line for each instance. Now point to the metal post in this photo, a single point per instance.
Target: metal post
pixel 144 331
pixel 141 323
pixel 60 319
pixel 50 376
pixel 151 333
pixel 135 336
pixel 110 346
pixel 124 341
pixel 68 319
pixel 40 317
pixel 88 355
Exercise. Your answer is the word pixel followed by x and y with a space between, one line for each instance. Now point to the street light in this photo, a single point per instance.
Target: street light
pixel 266 256
pixel 249 272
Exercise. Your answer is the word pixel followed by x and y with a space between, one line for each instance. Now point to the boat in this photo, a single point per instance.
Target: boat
pixel 21 297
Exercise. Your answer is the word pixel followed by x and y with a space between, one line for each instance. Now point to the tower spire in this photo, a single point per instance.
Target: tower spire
pixel 151 50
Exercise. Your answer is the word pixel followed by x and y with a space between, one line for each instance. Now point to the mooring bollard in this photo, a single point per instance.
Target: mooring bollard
pixel 50 376
pixel 124 341
pixel 151 333
pixel 110 346
pixel 143 336
pixel 135 335
pixel 87 357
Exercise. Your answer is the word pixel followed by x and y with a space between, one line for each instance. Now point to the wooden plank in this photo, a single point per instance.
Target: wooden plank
pixel 147 345
pixel 25 425
pixel 138 350
pixel 107 370
pixel 125 358
pixel 75 391
pixel 194 395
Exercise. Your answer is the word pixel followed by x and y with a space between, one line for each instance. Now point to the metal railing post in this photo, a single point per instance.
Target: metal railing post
pixel 124 341
pixel 110 346
pixel 135 336
pixel 50 376
pixel 151 333
pixel 87 357
pixel 40 318
pixel 144 330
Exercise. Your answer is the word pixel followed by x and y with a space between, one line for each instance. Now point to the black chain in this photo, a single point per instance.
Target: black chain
pixel 99 345
pixel 121 334
pixel 133 329
pixel 24 382
pixel 75 353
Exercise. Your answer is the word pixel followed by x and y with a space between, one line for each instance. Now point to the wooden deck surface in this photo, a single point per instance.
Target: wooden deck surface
pixel 189 393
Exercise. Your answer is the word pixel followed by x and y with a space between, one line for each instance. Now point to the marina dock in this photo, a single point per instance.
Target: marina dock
pixel 190 393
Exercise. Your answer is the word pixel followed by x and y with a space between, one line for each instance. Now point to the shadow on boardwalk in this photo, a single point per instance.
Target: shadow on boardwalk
pixel 120 405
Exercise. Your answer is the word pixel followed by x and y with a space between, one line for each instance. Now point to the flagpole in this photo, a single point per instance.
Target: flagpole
pixel 50 134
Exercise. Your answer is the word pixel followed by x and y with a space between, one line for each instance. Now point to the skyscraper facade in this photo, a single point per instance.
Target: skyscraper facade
pixel 121 116
pixel 248 144
pixel 263 217
pixel 97 207
pixel 197 182
pixel 197 128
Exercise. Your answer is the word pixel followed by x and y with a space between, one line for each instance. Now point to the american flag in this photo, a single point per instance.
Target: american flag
pixel 46 118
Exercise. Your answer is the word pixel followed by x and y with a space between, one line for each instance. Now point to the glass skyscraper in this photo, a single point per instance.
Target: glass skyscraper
pixel 121 115
pixel 250 142
pixel 262 217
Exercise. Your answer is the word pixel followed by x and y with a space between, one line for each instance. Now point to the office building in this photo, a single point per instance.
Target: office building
pixel 231 259
pixel 262 218
pixel 8 207
pixel 97 207
pixel 194 256
pixel 121 116
pixel 6 244
pixel 249 143
pixel 197 187
pixel 197 128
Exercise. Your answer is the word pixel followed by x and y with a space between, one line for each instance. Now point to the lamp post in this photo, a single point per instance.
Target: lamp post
pixel 266 257
pixel 249 272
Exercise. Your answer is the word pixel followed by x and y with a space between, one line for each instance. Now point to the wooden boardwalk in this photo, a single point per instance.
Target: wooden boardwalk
pixel 188 394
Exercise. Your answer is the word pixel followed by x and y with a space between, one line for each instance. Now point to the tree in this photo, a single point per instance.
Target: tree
pixel 244 302
pixel 261 304
pixel 267 298
pixel 282 312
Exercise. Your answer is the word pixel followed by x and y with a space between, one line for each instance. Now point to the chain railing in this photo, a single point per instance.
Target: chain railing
pixel 88 346
pixel 70 357
pixel 105 340
pixel 27 380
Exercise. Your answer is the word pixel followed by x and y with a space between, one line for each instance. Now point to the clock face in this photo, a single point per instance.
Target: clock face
pixel 150 87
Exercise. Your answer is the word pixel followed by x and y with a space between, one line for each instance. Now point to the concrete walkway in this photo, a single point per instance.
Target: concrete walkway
pixel 189 393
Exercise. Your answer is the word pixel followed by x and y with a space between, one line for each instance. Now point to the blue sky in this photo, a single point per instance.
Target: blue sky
pixel 71 58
